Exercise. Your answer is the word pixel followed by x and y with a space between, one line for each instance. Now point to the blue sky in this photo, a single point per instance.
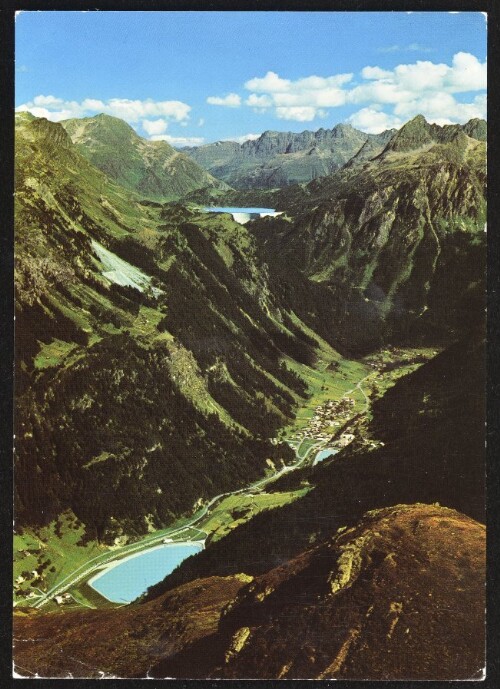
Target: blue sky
pixel 197 77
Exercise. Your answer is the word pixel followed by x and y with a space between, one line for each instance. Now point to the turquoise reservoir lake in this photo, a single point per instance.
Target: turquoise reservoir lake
pixel 328 452
pixel 243 215
pixel 124 581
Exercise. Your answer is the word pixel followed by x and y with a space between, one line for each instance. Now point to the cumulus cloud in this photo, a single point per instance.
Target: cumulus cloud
pixel 57 109
pixel 243 138
pixel 419 87
pixel 178 140
pixel 232 100
pixel 301 100
pixel 154 126
pixel 299 113
pixel 373 120
pixel 425 87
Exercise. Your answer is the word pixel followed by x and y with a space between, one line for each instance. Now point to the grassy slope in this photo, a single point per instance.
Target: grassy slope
pixel 153 169
pixel 81 339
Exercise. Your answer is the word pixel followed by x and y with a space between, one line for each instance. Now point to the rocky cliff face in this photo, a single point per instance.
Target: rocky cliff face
pixel 277 159
pixel 399 596
pixel 378 235
pixel 151 168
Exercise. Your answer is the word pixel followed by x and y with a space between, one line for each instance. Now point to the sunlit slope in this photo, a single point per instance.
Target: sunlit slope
pixel 151 168
pixel 149 348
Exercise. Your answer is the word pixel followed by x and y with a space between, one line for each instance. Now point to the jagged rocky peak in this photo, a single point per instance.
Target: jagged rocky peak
pixel 477 129
pixel 50 132
pixel 414 134
pixel 418 133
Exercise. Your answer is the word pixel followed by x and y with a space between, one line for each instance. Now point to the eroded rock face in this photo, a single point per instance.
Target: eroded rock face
pixel 392 244
pixel 400 596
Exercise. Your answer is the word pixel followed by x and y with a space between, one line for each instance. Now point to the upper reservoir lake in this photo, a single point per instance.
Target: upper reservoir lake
pixel 124 581
pixel 243 215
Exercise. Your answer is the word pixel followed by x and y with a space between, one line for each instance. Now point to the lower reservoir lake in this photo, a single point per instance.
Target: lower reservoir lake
pixel 124 581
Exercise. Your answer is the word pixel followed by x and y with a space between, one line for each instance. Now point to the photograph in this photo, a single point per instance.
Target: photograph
pixel 250 271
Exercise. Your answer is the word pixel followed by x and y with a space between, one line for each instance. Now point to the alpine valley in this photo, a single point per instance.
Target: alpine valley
pixel 301 397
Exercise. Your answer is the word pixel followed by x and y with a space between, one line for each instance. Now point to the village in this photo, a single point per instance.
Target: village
pixel 328 417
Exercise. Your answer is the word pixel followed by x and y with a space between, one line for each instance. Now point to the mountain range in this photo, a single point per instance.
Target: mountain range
pixel 277 159
pixel 114 294
pixel 392 243
pixel 165 354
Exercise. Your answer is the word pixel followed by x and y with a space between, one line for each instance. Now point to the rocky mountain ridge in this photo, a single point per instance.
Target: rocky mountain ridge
pixel 277 159
pixel 382 238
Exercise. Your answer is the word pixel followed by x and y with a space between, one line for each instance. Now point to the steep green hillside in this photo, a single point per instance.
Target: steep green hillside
pixel 149 348
pixel 151 168
pixel 392 247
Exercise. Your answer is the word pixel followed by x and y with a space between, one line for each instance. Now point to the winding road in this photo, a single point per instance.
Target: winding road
pixel 89 567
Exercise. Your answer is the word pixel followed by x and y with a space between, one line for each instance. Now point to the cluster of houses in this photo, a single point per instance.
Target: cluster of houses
pixel 63 598
pixel 327 415
pixel 23 579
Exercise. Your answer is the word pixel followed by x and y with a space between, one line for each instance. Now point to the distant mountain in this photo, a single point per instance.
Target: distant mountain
pixel 392 244
pixel 151 168
pixel 418 133
pixel 277 159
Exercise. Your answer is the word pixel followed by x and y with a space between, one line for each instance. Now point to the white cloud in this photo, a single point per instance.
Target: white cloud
pixel 466 74
pixel 418 47
pixel 47 100
pixel 443 108
pixel 423 87
pixel 271 83
pixel 201 122
pixel 232 100
pixel 302 113
pixel 57 109
pixel 242 139
pixel 154 126
pixel 178 140
pixel 375 73
pixel 384 95
pixel 134 110
pixel 411 48
pixel 389 49
pixel 374 121
pixel 302 100
pixel 256 101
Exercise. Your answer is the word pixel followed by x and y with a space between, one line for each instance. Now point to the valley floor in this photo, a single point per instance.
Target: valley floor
pixel 52 567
